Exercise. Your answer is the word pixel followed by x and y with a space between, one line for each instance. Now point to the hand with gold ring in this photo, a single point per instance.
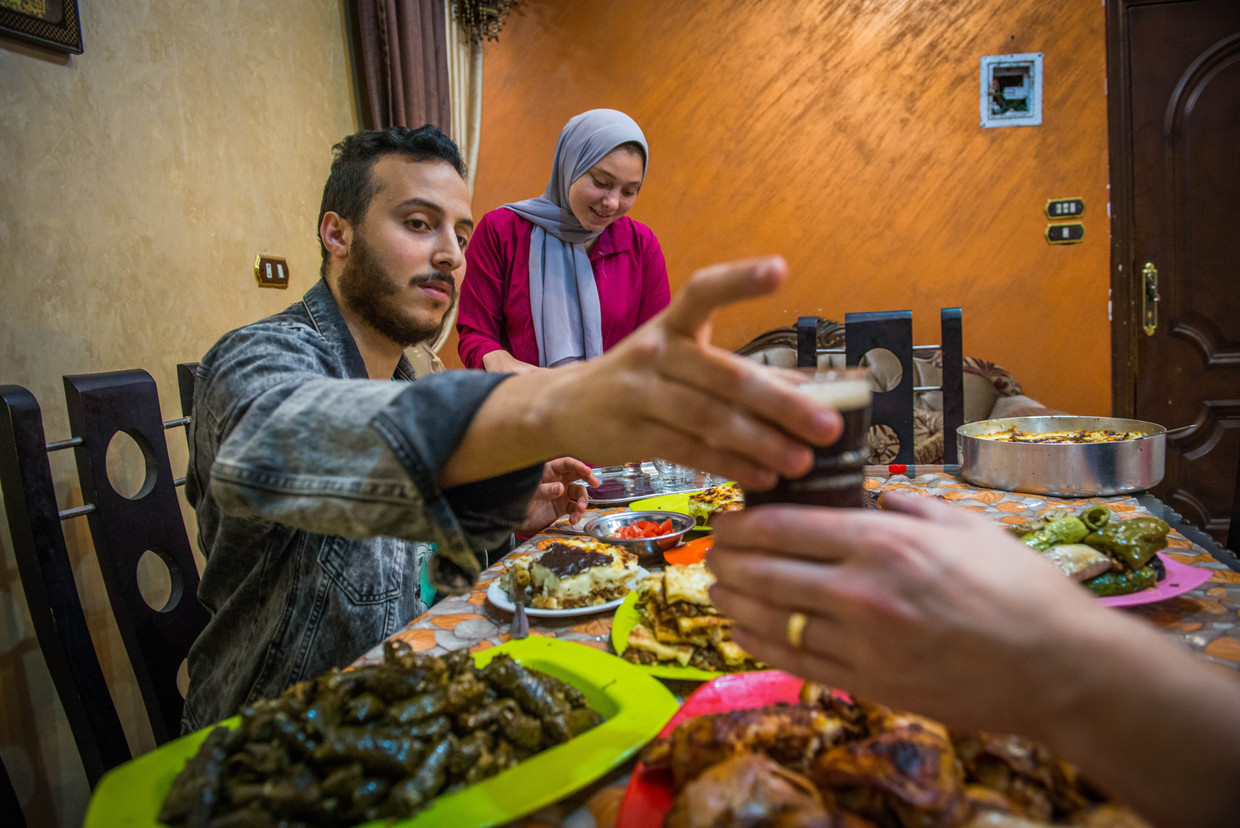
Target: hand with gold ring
pixel 932 609
pixel 901 611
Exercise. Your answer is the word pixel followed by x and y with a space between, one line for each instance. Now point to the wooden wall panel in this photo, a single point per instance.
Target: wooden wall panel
pixel 844 135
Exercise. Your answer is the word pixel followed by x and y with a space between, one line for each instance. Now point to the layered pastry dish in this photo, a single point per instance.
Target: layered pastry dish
pixel 716 500
pixel 565 573
pixel 680 626
pixel 1098 435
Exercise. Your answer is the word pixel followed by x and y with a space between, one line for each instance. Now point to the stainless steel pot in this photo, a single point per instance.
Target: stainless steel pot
pixel 1067 469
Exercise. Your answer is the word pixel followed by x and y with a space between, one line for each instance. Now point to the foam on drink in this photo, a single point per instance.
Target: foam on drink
pixel 844 395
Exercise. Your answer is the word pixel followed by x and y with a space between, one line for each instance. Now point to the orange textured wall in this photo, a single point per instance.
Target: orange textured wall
pixel 844 135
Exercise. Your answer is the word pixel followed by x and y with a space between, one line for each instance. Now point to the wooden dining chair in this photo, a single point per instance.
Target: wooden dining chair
pixel 187 378
pixel 46 573
pixel 893 331
pixel 126 528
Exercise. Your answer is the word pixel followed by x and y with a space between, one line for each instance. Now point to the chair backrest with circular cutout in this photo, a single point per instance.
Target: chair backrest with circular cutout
pixel 887 337
pixel 47 577
pixel 125 529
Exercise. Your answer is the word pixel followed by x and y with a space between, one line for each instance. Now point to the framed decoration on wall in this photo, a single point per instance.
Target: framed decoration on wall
pixel 52 24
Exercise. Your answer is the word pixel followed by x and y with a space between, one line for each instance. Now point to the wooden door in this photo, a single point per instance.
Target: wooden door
pixel 1174 119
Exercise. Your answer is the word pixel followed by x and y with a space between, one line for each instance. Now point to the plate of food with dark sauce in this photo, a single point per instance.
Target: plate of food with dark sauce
pixel 568 576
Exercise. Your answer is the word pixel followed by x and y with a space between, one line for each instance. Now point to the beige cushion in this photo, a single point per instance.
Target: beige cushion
pixel 1019 405
pixel 989 392
pixel 779 357
pixel 980 393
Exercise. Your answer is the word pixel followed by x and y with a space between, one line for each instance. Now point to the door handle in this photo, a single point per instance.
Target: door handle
pixel 1150 298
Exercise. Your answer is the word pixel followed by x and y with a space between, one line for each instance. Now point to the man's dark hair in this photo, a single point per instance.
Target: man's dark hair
pixel 349 188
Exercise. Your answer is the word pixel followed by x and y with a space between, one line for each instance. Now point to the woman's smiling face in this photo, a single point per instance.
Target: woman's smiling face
pixel 608 189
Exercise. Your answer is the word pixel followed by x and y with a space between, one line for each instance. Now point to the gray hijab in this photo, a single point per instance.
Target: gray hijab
pixel 568 322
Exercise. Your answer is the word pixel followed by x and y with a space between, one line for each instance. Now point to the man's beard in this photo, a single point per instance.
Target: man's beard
pixel 367 289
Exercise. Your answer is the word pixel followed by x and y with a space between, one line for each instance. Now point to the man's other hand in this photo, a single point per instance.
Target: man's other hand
pixel 558 494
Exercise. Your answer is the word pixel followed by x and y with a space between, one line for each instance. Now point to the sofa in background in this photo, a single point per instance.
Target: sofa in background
pixel 990 392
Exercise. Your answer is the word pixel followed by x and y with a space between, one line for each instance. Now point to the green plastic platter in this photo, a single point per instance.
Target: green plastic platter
pixel 635 704
pixel 622 624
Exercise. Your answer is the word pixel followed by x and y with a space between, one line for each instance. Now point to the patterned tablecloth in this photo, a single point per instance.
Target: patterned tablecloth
pixel 1206 619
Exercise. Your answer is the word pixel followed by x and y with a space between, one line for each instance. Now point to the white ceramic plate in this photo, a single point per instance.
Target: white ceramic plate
pixel 499 597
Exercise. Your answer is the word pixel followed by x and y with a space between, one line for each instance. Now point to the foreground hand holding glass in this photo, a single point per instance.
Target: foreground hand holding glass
pixel 838 472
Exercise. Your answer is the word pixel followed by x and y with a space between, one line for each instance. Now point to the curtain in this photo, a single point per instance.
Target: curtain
pixel 419 66
pixel 404 57
pixel 465 90
pixel 465 85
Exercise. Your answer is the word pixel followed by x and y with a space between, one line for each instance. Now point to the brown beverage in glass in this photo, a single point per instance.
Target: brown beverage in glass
pixel 839 469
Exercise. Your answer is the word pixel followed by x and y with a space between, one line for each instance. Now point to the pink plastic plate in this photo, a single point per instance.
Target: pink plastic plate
pixel 649 794
pixel 1180 579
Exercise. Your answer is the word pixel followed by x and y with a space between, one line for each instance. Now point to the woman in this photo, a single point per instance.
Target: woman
pixel 564 277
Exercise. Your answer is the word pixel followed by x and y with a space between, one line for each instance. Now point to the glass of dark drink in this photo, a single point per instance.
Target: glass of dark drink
pixel 839 469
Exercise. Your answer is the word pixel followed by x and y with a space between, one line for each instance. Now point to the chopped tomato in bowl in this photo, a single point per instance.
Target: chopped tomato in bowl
pixel 647 534
pixel 644 529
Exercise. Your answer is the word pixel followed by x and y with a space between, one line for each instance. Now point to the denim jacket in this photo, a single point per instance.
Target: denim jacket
pixel 313 486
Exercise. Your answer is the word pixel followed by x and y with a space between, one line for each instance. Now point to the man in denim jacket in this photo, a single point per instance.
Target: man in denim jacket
pixel 313 473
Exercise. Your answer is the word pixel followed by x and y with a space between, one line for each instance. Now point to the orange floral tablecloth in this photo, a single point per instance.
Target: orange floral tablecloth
pixel 1206 619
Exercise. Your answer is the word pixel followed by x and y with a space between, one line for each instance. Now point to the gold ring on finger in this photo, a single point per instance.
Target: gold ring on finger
pixel 796 629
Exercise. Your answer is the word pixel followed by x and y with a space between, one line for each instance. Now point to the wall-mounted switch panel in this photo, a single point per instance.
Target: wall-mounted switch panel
pixel 271 271
pixel 1065 208
pixel 1011 90
pixel 1070 233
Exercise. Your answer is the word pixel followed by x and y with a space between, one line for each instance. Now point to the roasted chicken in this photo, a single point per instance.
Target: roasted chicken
pixel 790 734
pixel 832 762
pixel 752 790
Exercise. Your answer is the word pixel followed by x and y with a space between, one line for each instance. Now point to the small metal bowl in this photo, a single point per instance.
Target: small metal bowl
pixel 649 551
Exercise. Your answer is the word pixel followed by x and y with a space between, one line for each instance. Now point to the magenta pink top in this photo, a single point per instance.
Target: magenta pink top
pixel 495 295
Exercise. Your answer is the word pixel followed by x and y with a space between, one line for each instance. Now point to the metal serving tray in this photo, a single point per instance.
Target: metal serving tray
pixel 1063 469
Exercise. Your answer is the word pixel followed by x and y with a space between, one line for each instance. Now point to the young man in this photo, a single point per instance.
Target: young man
pixel 313 473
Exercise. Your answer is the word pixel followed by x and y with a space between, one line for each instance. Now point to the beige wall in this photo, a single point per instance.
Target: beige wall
pixel 843 134
pixel 139 181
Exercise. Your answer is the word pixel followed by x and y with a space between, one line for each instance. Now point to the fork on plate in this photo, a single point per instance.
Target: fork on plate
pixel 520 623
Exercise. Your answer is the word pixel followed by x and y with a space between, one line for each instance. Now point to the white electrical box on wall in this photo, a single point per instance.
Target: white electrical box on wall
pixel 1011 90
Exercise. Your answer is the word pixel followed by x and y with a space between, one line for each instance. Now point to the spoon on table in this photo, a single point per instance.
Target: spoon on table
pixel 562 530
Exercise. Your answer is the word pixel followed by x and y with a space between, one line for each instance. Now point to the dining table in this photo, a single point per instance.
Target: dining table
pixel 1204 618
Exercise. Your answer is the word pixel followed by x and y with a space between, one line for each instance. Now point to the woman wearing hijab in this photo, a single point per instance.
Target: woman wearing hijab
pixel 565 276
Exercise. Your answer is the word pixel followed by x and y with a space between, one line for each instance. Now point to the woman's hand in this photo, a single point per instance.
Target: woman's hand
pixel 502 362
pixel 921 606
pixel 559 494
